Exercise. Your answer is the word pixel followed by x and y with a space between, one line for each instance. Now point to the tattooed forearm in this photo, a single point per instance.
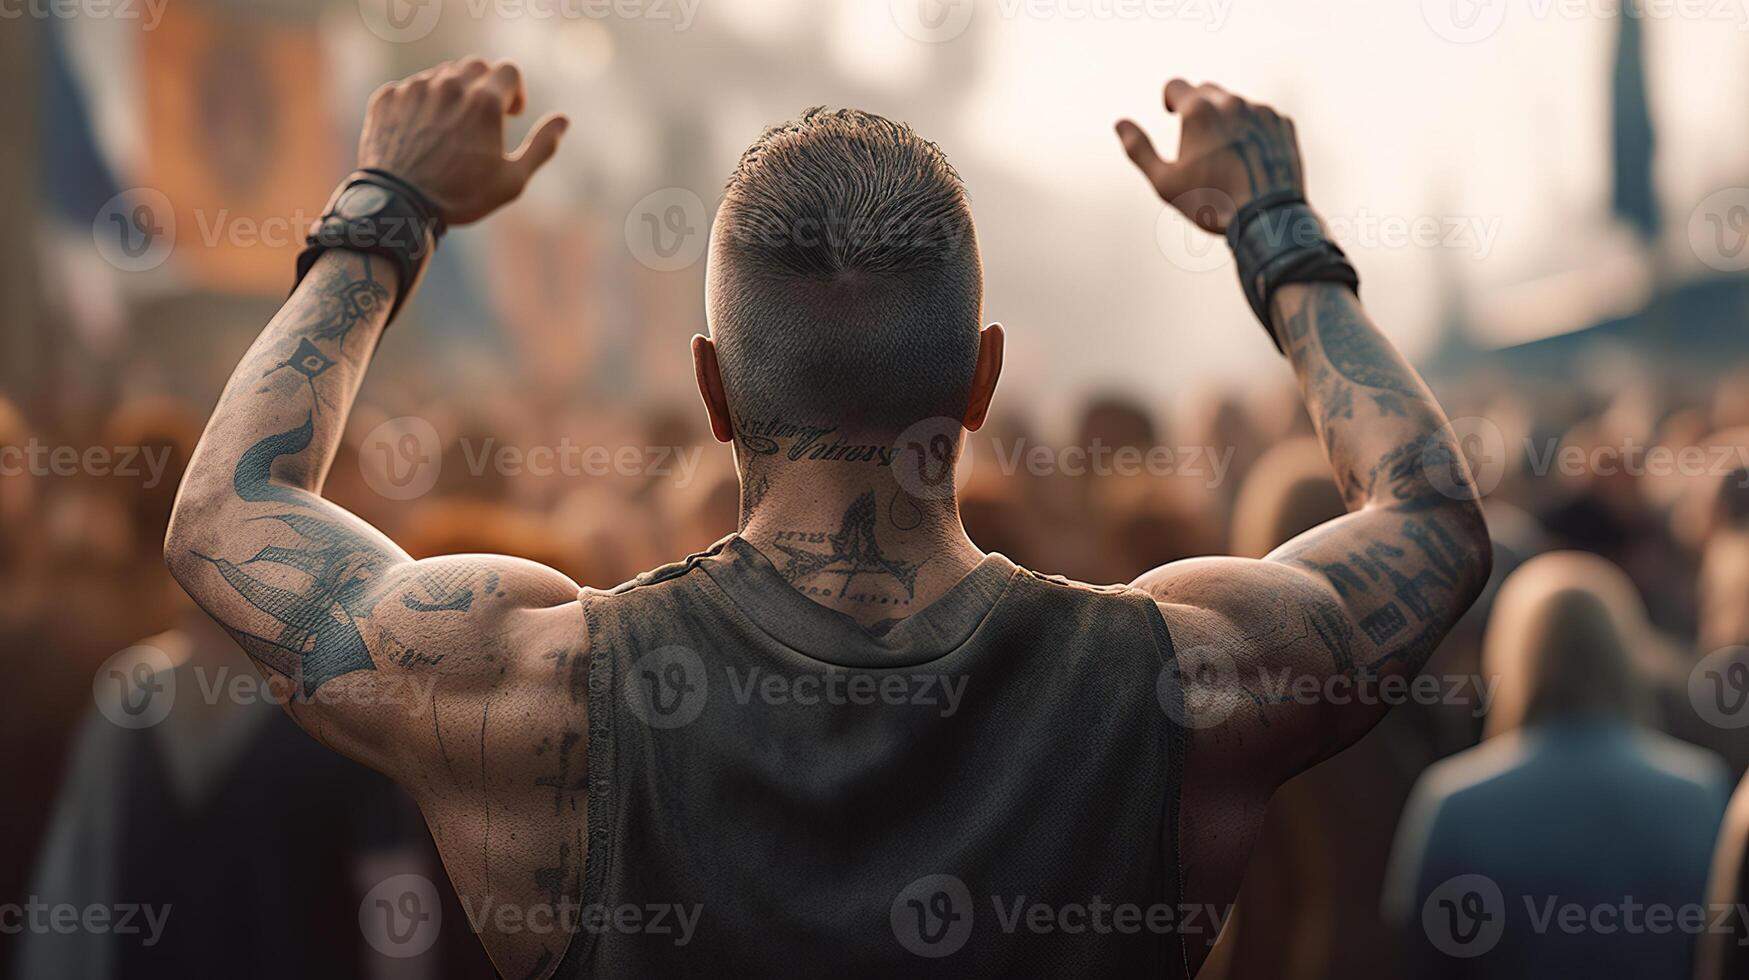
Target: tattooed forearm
pixel 1387 439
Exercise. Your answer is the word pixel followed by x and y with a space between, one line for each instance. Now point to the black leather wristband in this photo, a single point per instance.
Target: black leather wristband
pixel 1278 239
pixel 374 212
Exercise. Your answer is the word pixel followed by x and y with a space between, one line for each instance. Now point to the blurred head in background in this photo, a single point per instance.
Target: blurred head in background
pixel 1287 492
pixel 1562 643
pixel 1724 566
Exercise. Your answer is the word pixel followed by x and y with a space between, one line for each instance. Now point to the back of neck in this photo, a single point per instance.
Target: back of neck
pixel 854 540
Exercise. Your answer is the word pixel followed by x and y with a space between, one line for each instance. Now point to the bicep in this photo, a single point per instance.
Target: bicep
pixel 358 640
pixel 1292 649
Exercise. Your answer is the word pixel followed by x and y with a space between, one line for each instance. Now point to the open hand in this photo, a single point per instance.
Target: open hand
pixel 1230 152
pixel 442 130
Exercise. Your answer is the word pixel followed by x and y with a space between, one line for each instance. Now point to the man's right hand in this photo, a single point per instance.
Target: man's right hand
pixel 442 130
pixel 1231 151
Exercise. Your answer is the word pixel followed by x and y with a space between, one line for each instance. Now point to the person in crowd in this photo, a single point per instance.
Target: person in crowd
pixel 1571 801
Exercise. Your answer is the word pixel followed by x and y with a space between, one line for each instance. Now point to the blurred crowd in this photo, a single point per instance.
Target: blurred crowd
pixel 1643 473
pixel 1589 720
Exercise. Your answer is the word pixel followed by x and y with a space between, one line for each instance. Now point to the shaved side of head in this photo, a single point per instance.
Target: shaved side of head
pixel 844 286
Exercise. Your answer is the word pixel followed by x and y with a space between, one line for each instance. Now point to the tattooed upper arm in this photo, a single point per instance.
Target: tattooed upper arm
pixel 353 634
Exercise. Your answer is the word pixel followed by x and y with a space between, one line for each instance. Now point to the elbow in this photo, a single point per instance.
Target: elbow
pixel 1474 549
pixel 191 520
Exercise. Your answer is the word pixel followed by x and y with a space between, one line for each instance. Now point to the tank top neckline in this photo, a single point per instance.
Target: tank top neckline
pixel 754 585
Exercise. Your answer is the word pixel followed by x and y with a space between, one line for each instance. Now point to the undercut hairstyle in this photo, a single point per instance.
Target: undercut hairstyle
pixel 845 288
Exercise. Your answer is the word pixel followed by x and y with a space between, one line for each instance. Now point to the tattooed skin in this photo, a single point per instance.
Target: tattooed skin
pixel 849 554
pixel 345 308
pixel 321 579
pixel 769 437
pixel 1356 350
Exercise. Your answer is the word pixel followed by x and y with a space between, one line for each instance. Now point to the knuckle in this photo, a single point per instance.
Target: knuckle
pixel 450 88
pixel 484 99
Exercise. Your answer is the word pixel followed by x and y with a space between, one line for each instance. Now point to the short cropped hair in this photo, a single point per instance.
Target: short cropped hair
pixel 845 288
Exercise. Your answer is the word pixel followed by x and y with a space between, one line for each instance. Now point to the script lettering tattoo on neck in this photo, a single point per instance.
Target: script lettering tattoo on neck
pixel 850 555
pixel 770 436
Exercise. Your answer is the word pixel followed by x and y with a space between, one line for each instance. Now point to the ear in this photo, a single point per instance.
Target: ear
pixel 710 387
pixel 984 377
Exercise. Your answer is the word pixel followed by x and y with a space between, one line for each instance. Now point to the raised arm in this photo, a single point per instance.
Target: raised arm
pixel 1289 659
pixel 399 664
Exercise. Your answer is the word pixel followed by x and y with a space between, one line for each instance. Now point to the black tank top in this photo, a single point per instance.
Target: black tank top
pixel 988 788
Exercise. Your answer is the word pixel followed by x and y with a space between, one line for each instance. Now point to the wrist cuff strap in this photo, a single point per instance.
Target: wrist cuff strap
pixel 373 212
pixel 1278 239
